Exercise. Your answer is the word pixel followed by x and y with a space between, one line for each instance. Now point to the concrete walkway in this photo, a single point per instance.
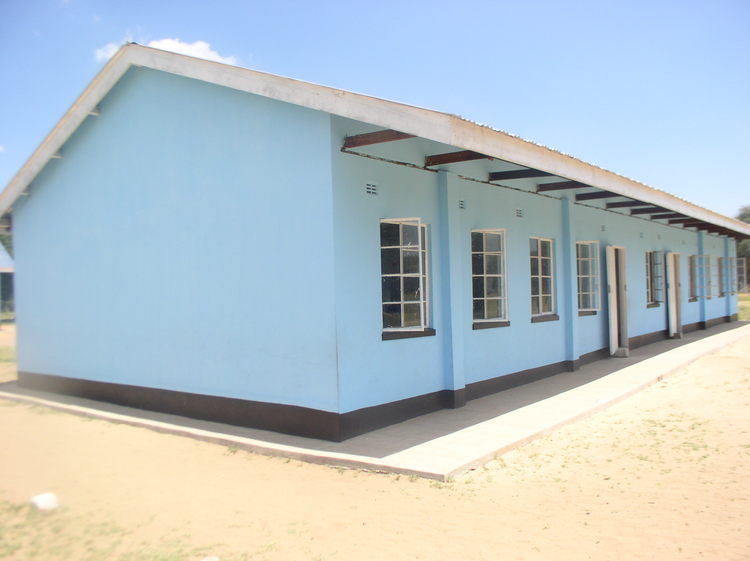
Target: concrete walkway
pixel 446 443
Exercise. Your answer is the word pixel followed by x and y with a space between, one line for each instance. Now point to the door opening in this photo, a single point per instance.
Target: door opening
pixel 617 301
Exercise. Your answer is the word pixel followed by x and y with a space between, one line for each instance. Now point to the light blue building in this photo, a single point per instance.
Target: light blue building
pixel 221 243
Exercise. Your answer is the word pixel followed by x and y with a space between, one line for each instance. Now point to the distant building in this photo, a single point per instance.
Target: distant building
pixel 221 243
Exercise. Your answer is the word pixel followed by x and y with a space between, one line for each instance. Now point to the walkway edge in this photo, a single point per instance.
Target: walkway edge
pixel 451 455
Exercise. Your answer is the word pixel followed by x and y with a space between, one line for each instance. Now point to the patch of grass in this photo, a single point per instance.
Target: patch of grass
pixel 29 535
pixel 7 354
pixel 744 312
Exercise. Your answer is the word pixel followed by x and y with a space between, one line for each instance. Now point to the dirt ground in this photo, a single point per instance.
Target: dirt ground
pixel 664 475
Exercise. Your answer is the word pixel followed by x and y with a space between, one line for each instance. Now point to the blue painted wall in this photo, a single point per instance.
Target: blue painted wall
pixel 373 371
pixel 185 242
pixel 205 240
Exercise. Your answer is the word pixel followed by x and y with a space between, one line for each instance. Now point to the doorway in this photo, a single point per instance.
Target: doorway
pixel 617 301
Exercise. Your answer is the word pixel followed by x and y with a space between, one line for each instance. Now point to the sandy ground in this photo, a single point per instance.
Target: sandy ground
pixel 663 475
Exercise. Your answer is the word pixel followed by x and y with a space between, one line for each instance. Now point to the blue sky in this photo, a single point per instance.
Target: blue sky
pixel 658 91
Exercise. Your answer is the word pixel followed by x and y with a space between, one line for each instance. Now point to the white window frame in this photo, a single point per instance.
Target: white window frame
pixel 740 274
pixel 693 284
pixel 539 277
pixel 654 278
pixel 593 276
pixel 501 276
pixel 422 275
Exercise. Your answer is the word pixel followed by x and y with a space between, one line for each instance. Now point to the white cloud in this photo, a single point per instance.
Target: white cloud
pixel 105 53
pixel 2 148
pixel 199 49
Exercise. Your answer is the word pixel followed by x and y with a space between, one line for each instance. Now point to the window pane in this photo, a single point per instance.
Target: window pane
pixel 411 289
pixel 392 315
pixel 534 267
pixel 584 267
pixel 546 286
pixel 478 309
pixel 492 242
pixel 389 234
pixel 545 248
pixel 410 235
pixel 492 288
pixel 391 289
pixel 492 264
pixel 411 262
pixel 412 315
pixel 534 246
pixel 478 286
pixel 476 264
pixel 584 284
pixel 493 309
pixel 534 305
pixel 546 304
pixel 476 241
pixel 546 265
pixel 534 286
pixel 389 258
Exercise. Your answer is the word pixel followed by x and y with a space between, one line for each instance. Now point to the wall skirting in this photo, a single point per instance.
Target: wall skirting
pixel 314 423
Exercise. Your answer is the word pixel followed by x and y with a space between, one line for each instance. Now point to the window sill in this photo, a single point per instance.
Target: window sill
pixel 546 317
pixel 391 335
pixel 489 324
pixel 693 299
pixel 653 305
pixel 583 313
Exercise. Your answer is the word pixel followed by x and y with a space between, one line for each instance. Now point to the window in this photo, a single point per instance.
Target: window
pixel 740 275
pixel 489 291
pixel 707 277
pixel 693 277
pixel 403 266
pixel 721 263
pixel 587 262
pixel 542 277
pixel 653 278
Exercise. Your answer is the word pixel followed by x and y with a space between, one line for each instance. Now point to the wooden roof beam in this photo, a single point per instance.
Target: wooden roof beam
pixel 517 174
pixel 627 204
pixel 596 195
pixel 667 215
pixel 544 187
pixel 453 157
pixel 649 210
pixel 681 220
pixel 377 137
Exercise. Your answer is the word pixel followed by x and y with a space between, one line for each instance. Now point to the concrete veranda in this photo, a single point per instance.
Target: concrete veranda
pixel 446 443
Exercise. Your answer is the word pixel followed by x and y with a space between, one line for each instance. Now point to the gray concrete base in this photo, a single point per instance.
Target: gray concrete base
pixel 444 444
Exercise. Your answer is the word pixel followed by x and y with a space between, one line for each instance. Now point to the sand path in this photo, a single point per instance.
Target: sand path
pixel 663 475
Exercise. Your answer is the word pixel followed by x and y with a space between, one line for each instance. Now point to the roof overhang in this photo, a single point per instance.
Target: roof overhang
pixel 408 120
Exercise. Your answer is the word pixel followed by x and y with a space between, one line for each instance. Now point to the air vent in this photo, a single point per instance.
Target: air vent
pixel 461 204
pixel 371 189
pixel 519 213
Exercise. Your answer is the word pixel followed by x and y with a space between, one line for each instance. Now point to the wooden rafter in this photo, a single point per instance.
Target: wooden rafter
pixel 596 195
pixel 452 158
pixel 627 204
pixel 517 174
pixel 649 210
pixel 541 188
pixel 681 220
pixel 388 135
pixel 667 215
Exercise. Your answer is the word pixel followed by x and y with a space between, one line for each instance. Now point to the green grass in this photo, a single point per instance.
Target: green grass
pixel 744 313
pixel 7 354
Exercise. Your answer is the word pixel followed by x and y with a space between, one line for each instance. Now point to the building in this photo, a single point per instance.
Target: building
pixel 220 243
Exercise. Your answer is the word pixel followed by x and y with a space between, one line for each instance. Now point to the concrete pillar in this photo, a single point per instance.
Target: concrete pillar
pixel 452 276
pixel 569 284
pixel 703 280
